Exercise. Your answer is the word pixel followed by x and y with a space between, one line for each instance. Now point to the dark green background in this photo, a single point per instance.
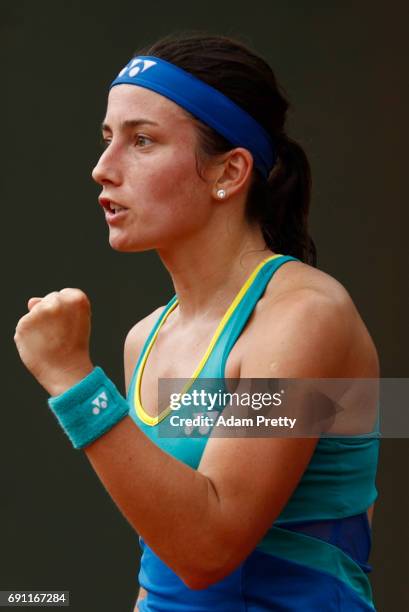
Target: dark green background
pixel 344 66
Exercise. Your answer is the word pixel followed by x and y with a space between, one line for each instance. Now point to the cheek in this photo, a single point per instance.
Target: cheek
pixel 173 186
pixel 173 176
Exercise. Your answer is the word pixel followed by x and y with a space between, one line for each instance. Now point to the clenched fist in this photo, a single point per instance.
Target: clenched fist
pixel 53 339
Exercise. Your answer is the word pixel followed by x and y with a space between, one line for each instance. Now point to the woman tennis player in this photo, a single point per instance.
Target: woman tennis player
pixel 198 166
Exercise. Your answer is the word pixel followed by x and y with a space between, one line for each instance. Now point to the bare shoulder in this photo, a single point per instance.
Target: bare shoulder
pixel 296 276
pixel 307 303
pixel 135 340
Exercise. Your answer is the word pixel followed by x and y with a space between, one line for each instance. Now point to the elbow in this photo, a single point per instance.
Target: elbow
pixel 202 580
pixel 204 575
pixel 219 553
pixel 195 583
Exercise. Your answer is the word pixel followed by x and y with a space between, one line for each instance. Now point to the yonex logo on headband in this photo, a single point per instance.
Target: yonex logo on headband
pixel 204 102
pixel 134 68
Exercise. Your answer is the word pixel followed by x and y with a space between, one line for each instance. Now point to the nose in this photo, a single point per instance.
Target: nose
pixel 107 169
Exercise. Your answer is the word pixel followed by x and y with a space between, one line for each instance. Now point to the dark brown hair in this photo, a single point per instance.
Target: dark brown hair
pixel 281 203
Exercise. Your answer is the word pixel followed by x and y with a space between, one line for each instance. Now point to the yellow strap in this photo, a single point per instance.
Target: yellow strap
pixel 146 418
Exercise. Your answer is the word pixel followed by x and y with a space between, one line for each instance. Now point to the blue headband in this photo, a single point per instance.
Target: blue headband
pixel 204 102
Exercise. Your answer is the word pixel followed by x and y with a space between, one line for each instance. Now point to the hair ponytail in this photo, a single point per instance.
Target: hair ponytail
pixel 280 204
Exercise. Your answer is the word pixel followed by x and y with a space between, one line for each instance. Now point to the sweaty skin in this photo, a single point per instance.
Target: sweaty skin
pixel 150 171
pixel 361 361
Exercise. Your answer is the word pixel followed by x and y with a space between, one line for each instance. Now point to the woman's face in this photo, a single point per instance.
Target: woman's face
pixel 148 171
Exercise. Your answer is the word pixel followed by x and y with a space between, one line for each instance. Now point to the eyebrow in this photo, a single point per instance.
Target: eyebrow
pixel 129 123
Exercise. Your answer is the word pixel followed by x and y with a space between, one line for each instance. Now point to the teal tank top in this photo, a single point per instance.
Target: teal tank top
pixel 315 554
pixel 340 478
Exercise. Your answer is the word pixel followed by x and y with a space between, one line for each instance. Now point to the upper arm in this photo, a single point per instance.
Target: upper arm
pixel 134 342
pixel 253 478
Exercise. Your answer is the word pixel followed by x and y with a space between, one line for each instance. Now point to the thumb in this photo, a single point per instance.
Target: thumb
pixel 33 301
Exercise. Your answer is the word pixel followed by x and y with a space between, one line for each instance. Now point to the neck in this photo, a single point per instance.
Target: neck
pixel 209 269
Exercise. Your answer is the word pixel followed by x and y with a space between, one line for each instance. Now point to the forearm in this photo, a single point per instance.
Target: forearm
pixel 174 508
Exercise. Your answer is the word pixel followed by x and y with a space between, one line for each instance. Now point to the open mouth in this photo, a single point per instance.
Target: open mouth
pixel 111 208
pixel 114 208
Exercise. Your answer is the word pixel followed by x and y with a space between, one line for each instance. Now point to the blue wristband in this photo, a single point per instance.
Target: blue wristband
pixel 90 408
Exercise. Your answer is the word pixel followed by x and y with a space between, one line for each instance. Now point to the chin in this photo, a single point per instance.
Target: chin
pixel 124 245
pixel 121 246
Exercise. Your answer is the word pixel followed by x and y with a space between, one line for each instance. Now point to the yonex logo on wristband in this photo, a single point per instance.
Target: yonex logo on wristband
pixel 101 401
pixel 76 408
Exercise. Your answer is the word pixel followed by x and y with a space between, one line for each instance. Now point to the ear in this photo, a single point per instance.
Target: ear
pixel 233 174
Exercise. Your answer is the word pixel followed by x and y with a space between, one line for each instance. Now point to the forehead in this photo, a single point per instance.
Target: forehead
pixel 125 101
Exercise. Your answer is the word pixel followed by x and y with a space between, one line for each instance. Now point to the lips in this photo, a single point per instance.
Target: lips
pixel 111 206
pixel 114 212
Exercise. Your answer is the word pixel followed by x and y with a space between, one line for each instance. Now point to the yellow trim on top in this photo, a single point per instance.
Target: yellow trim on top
pixel 144 416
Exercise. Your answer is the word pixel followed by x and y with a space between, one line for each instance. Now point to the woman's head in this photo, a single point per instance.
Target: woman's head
pixel 278 206
pixel 149 168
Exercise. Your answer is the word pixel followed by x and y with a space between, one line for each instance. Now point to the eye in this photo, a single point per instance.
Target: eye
pixel 140 139
pixel 104 142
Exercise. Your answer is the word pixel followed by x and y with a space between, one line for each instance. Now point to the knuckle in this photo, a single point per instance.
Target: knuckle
pixel 74 296
pixel 21 321
pixel 51 303
pixel 51 296
pixel 79 298
pixel 68 291
pixel 21 325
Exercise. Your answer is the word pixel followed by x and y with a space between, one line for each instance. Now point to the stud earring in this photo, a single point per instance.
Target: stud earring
pixel 221 193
